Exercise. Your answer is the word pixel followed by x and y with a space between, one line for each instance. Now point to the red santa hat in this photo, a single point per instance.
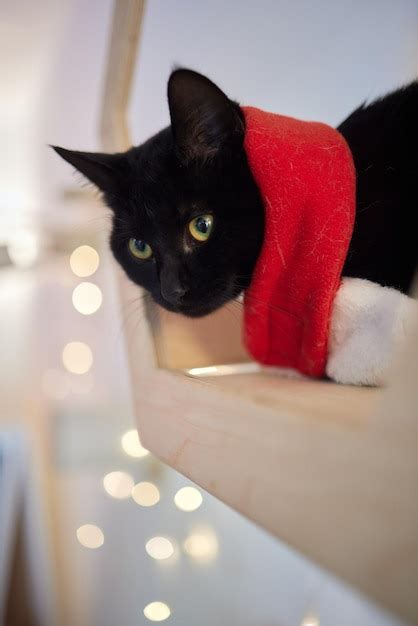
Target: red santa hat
pixel 306 177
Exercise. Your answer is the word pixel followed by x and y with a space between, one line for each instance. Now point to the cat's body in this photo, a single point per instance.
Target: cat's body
pixel 197 168
pixel 383 138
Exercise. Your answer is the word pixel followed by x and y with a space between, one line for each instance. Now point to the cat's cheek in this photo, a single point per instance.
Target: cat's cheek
pixel 142 273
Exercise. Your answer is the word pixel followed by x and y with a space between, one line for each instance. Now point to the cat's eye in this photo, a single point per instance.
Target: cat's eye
pixel 201 227
pixel 140 249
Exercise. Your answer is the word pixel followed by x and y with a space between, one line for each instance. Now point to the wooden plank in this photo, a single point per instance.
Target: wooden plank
pixel 329 469
pixel 121 60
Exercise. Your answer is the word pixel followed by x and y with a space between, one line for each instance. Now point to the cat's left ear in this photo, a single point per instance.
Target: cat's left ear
pixel 103 170
pixel 204 120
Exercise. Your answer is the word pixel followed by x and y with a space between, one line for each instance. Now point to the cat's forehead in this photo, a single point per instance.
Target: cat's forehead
pixel 163 205
pixel 154 154
pixel 162 189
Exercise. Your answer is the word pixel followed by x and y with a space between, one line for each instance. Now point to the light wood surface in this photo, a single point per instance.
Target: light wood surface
pixel 330 470
pixel 121 61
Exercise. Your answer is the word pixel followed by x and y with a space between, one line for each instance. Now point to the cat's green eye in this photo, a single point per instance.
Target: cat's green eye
pixel 201 227
pixel 140 249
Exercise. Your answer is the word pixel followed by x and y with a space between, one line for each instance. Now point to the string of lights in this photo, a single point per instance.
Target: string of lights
pixel 201 544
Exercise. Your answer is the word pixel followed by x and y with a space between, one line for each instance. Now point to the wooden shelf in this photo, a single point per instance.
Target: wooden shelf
pixel 329 469
pixel 312 399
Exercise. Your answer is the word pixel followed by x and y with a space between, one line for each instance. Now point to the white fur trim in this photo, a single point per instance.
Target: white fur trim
pixel 368 325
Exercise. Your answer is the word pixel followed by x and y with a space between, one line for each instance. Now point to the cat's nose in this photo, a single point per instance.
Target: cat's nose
pixel 173 293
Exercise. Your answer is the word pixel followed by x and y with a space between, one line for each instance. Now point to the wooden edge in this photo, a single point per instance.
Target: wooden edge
pixel 121 61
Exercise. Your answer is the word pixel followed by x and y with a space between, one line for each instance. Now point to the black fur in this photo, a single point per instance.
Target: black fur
pixel 383 138
pixel 198 166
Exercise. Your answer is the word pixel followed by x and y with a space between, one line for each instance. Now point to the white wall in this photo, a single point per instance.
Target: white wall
pixel 314 60
pixel 27 45
pixel 52 58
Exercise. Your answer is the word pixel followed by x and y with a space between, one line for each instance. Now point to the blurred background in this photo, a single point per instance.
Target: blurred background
pixel 93 529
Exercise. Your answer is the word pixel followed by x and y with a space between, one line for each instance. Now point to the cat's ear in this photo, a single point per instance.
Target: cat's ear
pixel 203 119
pixel 103 170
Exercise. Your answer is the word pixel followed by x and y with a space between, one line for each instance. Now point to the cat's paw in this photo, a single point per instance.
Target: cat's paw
pixel 368 324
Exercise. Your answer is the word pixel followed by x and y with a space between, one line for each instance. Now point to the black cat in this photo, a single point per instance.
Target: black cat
pixel 188 221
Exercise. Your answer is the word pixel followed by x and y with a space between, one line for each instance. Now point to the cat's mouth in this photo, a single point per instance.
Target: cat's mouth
pixel 200 307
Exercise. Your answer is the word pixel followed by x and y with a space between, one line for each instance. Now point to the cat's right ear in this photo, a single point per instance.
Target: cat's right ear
pixel 103 170
pixel 204 121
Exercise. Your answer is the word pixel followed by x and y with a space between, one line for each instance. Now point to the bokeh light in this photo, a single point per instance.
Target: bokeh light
pixel 202 544
pixel 90 536
pixel 77 357
pixel 87 298
pixel 132 444
pixel 118 484
pixel 188 499
pixel 310 620
pixel 23 248
pixel 159 548
pixel 84 261
pixel 157 611
pixel 146 494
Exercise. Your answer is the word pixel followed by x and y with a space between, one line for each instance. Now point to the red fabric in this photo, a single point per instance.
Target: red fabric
pixel 306 177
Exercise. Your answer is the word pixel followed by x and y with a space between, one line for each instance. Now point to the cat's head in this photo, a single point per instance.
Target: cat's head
pixel 187 216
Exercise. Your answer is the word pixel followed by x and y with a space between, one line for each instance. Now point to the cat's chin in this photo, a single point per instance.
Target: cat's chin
pixel 189 310
pixel 196 310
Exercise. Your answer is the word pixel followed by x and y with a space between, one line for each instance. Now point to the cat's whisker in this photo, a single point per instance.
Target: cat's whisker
pixel 232 311
pixel 139 304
